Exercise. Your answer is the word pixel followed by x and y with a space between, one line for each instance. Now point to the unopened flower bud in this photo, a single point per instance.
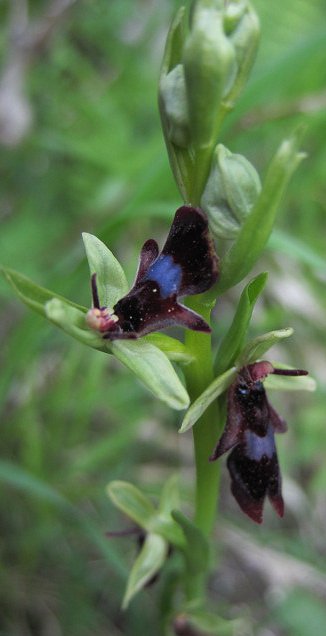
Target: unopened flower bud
pixel 174 103
pixel 242 25
pixel 210 69
pixel 231 191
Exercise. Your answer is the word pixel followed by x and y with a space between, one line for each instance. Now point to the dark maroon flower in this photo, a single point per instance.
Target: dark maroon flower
pixel 187 265
pixel 249 432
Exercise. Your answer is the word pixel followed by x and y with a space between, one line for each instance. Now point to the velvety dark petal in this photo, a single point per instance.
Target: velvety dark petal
pixel 255 475
pixel 144 310
pixel 247 408
pixel 148 255
pixel 234 428
pixel 190 319
pixel 190 245
pixel 186 265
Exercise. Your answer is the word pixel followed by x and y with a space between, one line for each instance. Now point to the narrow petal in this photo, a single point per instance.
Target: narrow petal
pixel 234 428
pixel 149 253
pixel 278 423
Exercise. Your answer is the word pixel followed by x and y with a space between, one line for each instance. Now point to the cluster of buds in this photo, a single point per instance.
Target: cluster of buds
pixel 206 64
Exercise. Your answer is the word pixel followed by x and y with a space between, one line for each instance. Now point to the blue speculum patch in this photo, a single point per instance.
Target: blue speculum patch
pixel 167 274
pixel 257 446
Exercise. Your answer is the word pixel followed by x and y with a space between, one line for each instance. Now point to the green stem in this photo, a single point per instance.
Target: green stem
pixel 198 375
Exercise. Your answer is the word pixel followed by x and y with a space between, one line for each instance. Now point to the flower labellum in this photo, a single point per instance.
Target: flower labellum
pixel 187 265
pixel 249 432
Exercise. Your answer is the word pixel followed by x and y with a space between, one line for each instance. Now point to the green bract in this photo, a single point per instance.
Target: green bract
pixel 174 103
pixel 258 225
pixel 232 342
pixel 231 191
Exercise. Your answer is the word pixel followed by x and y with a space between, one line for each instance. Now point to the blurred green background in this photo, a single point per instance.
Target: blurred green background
pixel 81 150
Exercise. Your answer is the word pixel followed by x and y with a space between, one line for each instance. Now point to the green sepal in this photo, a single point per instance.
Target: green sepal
pixel 233 340
pixel 132 502
pixel 154 369
pixel 173 348
pixel 138 507
pixel 288 383
pixel 148 562
pixel 214 390
pixel 258 225
pixel 110 277
pixel 72 321
pixel 196 551
pixel 33 295
pixel 256 348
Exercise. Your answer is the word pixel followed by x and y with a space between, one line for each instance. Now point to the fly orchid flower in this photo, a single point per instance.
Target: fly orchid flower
pixel 186 265
pixel 249 432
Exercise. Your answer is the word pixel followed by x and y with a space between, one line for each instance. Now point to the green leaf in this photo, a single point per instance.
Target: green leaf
pixel 257 227
pixel 233 340
pixel 216 388
pixel 173 348
pixel 197 547
pixel 132 502
pixel 110 277
pixel 289 383
pixel 33 295
pixel 72 321
pixel 256 348
pixel 154 369
pixel 148 563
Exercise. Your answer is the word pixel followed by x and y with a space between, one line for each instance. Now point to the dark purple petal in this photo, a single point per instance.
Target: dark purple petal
pixel 278 423
pixel 144 310
pixel 190 245
pixel 149 253
pixel 186 265
pixel 255 475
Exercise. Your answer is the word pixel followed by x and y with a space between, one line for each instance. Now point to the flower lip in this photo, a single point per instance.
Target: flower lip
pixel 249 435
pixel 186 265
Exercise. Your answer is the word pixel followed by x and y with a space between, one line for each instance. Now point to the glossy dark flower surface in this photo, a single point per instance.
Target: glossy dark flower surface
pixel 186 265
pixel 249 434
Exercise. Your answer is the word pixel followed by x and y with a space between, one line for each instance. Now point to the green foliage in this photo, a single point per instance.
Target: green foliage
pixel 94 160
